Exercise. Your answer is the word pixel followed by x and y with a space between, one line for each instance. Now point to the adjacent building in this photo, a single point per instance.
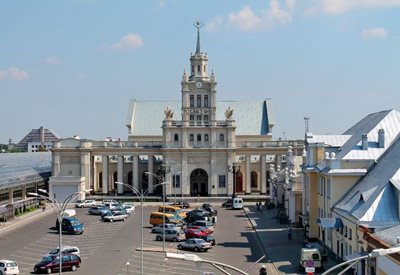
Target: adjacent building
pixel 38 140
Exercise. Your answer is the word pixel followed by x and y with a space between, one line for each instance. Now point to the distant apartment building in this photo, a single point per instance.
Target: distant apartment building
pixel 38 140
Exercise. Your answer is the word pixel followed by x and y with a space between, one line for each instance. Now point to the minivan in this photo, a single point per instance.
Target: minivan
pixel 156 218
pixel 237 203
pixel 70 225
pixel 65 250
pixel 173 210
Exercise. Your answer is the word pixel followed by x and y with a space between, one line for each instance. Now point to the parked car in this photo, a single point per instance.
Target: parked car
pixel 310 253
pixel 70 225
pixel 237 203
pixel 227 203
pixel 108 201
pixel 197 214
pixel 115 216
pixel 205 224
pixel 51 263
pixel 96 210
pixel 195 244
pixel 208 207
pixel 210 239
pixel 160 228
pixel 129 208
pixel 65 250
pixel 194 233
pixel 85 203
pixel 179 204
pixel 174 235
pixel 204 229
pixel 8 267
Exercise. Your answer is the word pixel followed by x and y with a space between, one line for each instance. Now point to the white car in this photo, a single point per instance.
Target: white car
pixel 8 267
pixel 85 203
pixel 65 249
pixel 129 208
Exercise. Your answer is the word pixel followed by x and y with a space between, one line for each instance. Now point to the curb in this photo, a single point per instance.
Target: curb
pixel 272 270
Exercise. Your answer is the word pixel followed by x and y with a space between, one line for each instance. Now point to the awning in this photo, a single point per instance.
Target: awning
pixel 355 255
pixel 330 222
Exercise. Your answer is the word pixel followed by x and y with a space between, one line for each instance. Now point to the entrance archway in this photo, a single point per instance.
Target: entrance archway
pixel 199 183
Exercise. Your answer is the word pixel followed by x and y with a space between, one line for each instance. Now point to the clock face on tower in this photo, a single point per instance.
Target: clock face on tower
pixel 199 84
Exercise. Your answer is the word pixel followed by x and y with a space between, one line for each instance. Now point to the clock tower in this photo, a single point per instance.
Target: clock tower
pixel 198 89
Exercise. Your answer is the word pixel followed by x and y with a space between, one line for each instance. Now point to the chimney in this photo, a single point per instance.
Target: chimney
pixel 381 138
pixel 364 142
pixel 41 134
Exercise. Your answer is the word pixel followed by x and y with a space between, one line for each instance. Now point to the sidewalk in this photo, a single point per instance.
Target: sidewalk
pixel 282 253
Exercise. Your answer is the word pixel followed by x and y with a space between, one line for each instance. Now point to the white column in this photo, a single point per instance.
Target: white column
pixel 24 192
pixel 150 170
pixel 11 195
pixel 213 178
pixel 95 178
pixel 263 177
pixel 120 174
pixel 105 174
pixel 135 171
pixel 248 175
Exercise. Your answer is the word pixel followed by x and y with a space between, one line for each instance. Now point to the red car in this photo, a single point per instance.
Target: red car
pixel 194 233
pixel 51 263
pixel 204 229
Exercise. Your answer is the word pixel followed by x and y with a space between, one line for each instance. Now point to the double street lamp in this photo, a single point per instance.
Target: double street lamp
pixel 234 169
pixel 141 194
pixel 58 208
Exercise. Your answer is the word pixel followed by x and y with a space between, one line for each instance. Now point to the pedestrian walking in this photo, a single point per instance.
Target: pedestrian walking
pixel 43 207
pixel 289 233
pixel 214 221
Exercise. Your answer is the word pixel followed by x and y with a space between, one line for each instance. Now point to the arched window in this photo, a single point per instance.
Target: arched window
pixel 221 137
pixel 198 137
pixel 176 137
pixel 205 137
pixel 253 179
pixel 191 137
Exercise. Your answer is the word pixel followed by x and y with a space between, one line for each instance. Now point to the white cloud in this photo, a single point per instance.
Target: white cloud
pixel 13 73
pixel 335 7
pixel 248 20
pixel 129 41
pixel 374 33
pixel 52 60
pixel 245 20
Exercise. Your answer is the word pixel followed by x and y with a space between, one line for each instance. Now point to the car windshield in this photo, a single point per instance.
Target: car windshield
pixel 12 264
pixel 47 259
pixel 75 222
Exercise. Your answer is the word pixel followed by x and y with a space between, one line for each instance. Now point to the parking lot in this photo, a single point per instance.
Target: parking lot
pixel 106 248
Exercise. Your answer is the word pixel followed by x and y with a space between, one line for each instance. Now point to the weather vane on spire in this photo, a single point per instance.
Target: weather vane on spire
pixel 198 24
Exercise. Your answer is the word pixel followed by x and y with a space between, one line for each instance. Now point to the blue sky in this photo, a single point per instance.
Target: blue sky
pixel 72 66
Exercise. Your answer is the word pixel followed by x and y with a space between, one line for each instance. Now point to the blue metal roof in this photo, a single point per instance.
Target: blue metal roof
pixel 252 117
pixel 18 169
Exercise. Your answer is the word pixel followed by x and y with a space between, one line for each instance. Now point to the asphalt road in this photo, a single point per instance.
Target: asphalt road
pixel 106 248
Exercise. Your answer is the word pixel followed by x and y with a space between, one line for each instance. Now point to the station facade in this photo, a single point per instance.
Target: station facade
pixel 198 146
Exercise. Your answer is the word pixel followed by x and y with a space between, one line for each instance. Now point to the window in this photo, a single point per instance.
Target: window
pixel 176 137
pixel 204 68
pixel 191 137
pixel 177 181
pixel 206 137
pixel 191 117
pixel 192 69
pixel 192 101
pixel 350 235
pixel 221 181
pixel 221 137
pixel 199 101
pixel 205 117
pixel 198 68
pixel 206 101
pixel 198 117
pixel 198 137
pixel 253 179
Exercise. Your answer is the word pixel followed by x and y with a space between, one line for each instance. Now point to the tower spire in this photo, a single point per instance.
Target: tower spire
pixel 198 25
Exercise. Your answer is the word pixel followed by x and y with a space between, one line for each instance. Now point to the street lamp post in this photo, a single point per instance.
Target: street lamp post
pixel 234 169
pixel 374 254
pixel 58 208
pixel 141 194
pixel 162 179
pixel 197 259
